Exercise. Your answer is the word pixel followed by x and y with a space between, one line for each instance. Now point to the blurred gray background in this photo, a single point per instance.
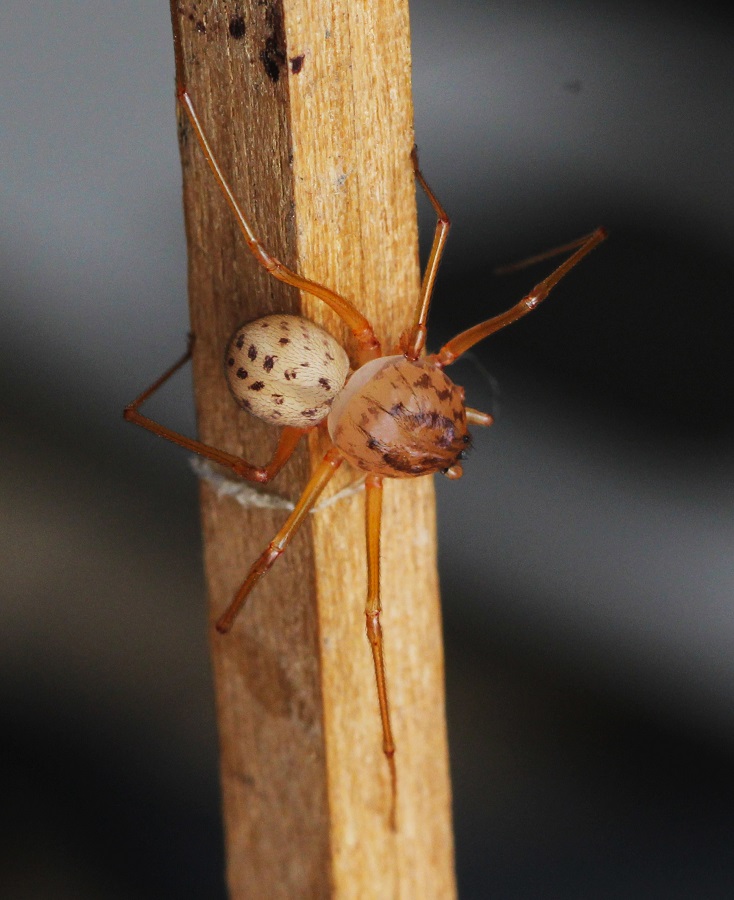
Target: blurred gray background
pixel 586 556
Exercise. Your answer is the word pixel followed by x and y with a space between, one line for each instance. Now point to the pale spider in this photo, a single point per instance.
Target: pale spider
pixel 395 416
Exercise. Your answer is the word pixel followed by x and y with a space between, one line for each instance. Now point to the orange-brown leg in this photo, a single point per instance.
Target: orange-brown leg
pixel 369 346
pixel 451 351
pixel 373 485
pixel 289 437
pixel 528 261
pixel 475 417
pixel 413 341
pixel 310 495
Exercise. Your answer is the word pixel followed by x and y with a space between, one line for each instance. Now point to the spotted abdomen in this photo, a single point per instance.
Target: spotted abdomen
pixel 285 370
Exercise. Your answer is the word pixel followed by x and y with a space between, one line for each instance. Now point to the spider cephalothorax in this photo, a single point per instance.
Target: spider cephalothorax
pixel 400 418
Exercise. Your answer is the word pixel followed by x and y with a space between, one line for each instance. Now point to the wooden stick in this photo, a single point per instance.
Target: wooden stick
pixel 307 104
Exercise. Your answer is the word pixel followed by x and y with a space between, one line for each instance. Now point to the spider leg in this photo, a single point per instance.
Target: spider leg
pixel 476 417
pixel 361 328
pixel 289 437
pixel 451 351
pixel 276 547
pixel 528 261
pixel 413 341
pixel 373 607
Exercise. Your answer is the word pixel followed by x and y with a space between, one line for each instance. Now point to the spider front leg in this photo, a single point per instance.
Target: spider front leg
pixel 373 505
pixel 413 341
pixel 457 346
pixel 289 437
pixel 368 345
pixel 276 547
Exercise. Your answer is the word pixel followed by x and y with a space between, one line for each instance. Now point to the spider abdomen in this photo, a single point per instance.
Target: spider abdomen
pixel 400 418
pixel 285 370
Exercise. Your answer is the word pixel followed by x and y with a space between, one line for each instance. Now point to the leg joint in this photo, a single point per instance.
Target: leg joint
pixel 374 629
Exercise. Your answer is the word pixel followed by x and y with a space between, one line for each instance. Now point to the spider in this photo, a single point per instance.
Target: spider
pixel 391 416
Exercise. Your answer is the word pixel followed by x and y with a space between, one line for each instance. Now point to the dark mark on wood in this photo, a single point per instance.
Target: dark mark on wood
pixel 237 27
pixel 273 55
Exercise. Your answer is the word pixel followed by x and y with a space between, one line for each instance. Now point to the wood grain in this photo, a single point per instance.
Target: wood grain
pixel 308 106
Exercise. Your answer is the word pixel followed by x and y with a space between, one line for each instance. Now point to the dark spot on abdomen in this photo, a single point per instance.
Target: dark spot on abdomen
pixel 297 63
